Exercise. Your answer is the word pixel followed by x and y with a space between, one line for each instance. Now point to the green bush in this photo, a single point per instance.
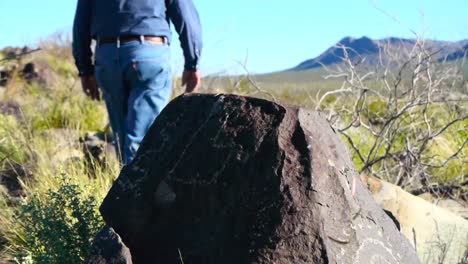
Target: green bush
pixel 59 227
pixel 56 218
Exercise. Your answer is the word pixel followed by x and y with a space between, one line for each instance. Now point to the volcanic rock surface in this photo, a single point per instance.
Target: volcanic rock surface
pixel 108 248
pixel 230 179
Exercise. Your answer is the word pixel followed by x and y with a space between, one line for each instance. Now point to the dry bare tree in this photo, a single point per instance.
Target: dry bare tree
pixel 406 119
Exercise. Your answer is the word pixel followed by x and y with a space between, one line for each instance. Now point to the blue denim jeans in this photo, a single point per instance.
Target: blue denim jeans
pixel 135 80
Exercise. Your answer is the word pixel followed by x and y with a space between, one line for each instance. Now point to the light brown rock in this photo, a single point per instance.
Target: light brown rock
pixel 437 232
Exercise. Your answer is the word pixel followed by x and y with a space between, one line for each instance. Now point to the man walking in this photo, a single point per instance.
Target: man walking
pixel 132 59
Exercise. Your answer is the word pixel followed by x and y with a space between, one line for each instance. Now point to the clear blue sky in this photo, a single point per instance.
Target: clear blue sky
pixel 276 34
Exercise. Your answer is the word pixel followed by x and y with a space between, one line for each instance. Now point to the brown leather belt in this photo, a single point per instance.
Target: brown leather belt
pixel 123 39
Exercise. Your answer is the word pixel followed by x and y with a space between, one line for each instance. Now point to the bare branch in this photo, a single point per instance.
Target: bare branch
pixel 389 115
pixel 253 83
pixel 19 56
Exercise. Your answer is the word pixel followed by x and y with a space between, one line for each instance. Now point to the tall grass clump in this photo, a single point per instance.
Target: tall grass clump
pixel 55 217
pixel 10 150
pixel 65 109
pixel 51 215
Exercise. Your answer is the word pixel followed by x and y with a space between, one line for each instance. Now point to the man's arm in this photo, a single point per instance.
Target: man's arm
pixel 82 38
pixel 82 48
pixel 187 24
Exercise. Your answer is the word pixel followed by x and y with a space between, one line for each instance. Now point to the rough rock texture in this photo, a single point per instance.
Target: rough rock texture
pixel 458 207
pixel 229 179
pixel 97 149
pixel 5 77
pixel 438 233
pixel 94 147
pixel 108 248
pixel 40 72
pixel 11 176
pixel 11 108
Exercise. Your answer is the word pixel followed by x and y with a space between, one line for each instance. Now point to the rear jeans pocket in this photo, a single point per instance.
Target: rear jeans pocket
pixel 152 73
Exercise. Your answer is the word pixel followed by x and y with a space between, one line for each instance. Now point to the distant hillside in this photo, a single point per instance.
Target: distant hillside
pixel 460 53
pixel 369 50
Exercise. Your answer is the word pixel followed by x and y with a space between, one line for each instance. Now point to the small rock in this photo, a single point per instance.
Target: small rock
pixel 11 178
pixel 96 148
pixel 436 232
pixel 11 108
pixel 5 77
pixel 108 248
pixel 7 72
pixel 39 72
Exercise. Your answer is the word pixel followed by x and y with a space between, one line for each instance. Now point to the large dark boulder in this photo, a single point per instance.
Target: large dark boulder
pixel 230 179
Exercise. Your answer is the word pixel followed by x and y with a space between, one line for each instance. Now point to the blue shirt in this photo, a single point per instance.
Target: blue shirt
pixel 113 18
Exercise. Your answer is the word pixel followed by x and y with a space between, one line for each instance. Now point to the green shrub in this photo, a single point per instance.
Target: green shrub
pixel 59 227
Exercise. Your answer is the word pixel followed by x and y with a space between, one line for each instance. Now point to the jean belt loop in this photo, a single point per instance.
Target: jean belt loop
pixel 118 42
pixel 142 39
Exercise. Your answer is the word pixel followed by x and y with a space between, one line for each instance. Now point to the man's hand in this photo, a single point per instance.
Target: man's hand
pixel 191 80
pixel 89 85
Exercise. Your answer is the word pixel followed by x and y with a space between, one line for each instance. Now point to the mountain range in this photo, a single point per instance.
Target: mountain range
pixel 372 52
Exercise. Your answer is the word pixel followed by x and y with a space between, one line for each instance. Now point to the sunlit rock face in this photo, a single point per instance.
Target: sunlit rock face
pixel 437 233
